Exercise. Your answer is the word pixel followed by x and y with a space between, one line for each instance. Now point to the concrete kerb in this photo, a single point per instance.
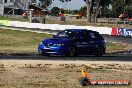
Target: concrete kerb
pixel 101 30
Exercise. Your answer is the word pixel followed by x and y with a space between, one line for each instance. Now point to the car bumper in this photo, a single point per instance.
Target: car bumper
pixel 52 50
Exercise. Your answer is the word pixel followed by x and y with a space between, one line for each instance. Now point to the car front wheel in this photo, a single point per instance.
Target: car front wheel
pixel 45 54
pixel 72 52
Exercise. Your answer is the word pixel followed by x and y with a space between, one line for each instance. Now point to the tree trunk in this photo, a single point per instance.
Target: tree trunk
pixel 88 12
pixel 89 9
pixel 95 14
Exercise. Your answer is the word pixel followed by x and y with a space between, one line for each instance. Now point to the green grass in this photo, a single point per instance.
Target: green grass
pixel 12 41
pixel 110 47
pixel 20 41
pixel 17 18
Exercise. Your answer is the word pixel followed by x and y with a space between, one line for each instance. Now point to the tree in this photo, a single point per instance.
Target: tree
pixel 118 7
pixel 128 11
pixel 33 1
pixel 74 12
pixel 70 11
pixel 93 8
pixel 128 8
pixel 122 6
pixel 66 11
pixel 83 11
pixel 55 11
pixel 45 3
pixel 128 2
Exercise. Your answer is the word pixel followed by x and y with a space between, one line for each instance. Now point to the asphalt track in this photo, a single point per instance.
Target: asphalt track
pixel 125 57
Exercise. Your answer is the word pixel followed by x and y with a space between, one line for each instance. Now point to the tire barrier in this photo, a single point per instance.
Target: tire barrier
pixel 121 31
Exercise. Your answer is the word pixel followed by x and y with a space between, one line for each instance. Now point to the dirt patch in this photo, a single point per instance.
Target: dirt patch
pixel 41 74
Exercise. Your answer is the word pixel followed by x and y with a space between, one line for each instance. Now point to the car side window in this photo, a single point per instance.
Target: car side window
pixel 61 34
pixel 92 35
pixel 71 34
pixel 85 34
pixel 97 35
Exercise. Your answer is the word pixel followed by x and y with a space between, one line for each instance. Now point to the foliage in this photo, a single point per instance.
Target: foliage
pixel 105 12
pixel 66 11
pixel 33 1
pixel 70 11
pixel 98 8
pixel 128 2
pixel 45 3
pixel 55 11
pixel 128 10
pixel 121 6
pixel 118 7
pixel 74 12
pixel 93 7
pixel 83 11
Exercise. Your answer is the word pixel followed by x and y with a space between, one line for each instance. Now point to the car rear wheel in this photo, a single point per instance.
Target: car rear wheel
pixel 72 52
pixel 99 52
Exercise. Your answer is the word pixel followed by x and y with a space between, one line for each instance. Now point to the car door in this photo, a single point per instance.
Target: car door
pixel 82 43
pixel 92 42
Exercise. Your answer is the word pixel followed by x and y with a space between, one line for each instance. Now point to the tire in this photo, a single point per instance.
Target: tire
pixel 45 54
pixel 85 82
pixel 99 52
pixel 72 52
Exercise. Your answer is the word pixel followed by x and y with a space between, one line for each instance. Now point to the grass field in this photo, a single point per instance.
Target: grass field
pixel 14 18
pixel 20 41
pixel 12 41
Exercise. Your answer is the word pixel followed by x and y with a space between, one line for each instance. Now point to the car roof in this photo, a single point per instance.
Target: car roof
pixel 75 29
pixel 79 30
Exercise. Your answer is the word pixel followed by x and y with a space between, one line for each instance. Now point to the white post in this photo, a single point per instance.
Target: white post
pixel 13 11
pixel 3 1
pixel 1 10
pixel 60 7
pixel 31 14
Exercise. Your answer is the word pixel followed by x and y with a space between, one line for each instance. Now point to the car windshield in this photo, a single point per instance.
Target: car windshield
pixel 70 34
